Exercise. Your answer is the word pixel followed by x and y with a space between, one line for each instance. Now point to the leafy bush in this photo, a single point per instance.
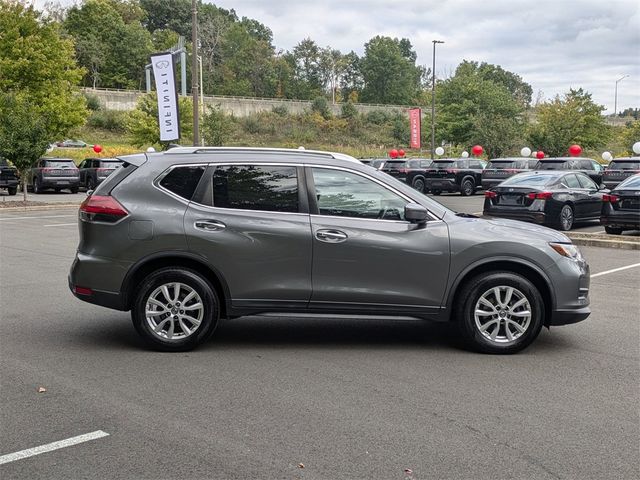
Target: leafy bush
pixel 378 117
pixel 112 120
pixel 142 123
pixel 349 110
pixel 321 106
pixel 217 126
pixel 93 102
pixel 280 110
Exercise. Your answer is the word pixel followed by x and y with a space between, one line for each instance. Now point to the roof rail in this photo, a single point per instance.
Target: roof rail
pixel 291 151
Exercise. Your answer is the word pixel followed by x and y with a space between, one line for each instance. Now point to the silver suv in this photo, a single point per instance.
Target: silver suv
pixel 185 237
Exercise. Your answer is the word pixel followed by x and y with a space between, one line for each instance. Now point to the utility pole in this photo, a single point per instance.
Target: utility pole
pixel 615 102
pixel 433 100
pixel 194 73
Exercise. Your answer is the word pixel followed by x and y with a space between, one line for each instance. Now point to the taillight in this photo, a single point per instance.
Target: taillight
pixel 539 195
pixel 82 290
pixel 610 198
pixel 47 169
pixel 403 170
pixel 102 209
pixel 451 170
pixel 490 194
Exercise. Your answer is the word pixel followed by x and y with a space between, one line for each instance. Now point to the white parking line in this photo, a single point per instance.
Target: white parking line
pixel 30 452
pixel 615 270
pixel 29 218
pixel 60 224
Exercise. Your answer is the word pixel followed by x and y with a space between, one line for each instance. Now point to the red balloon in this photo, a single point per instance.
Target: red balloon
pixel 97 148
pixel 575 150
pixel 393 153
pixel 401 153
pixel 477 150
pixel 539 154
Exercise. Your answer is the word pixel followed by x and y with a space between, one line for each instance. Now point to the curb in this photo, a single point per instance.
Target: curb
pixel 48 206
pixel 597 240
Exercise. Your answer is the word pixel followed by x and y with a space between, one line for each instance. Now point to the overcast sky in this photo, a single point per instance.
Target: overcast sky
pixel 552 44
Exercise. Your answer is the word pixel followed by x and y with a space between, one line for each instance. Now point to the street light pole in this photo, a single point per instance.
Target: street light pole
pixel 615 102
pixel 433 100
pixel 194 73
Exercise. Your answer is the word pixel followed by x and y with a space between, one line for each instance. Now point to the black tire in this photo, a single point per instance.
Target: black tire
pixel 418 184
pixel 74 189
pixel 467 187
pixel 436 192
pixel 566 218
pixel 12 190
pixel 90 184
pixel 57 190
pixel 613 230
pixel 469 296
pixel 36 185
pixel 196 282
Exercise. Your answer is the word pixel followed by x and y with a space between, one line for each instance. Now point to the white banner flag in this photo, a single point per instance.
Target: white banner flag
pixel 165 76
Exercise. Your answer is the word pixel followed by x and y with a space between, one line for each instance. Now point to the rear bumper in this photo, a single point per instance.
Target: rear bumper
pixel 533 217
pixel 8 183
pixel 616 218
pixel 59 182
pixel 441 184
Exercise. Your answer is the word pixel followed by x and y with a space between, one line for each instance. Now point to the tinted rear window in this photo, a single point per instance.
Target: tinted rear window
pixel 502 164
pixel 443 164
pixel 624 165
pixel 525 180
pixel 59 164
pixel 115 178
pixel 254 187
pixel 553 166
pixel 110 163
pixel 183 180
pixel 395 164
pixel 376 163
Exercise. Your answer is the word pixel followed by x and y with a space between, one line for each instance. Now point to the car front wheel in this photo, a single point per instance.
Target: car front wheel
pixel 175 309
pixel 499 312
pixel 613 230
pixel 418 184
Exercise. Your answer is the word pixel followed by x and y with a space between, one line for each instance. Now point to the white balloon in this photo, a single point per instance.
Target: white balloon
pixel 636 148
pixel 439 151
pixel 606 156
pixel 151 150
pixel 525 152
pixel 464 154
pixel 300 147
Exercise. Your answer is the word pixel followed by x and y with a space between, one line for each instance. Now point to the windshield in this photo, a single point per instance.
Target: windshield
pixel 376 163
pixel 502 164
pixel 631 182
pixel 624 165
pixel 529 179
pixel 60 164
pixel 439 164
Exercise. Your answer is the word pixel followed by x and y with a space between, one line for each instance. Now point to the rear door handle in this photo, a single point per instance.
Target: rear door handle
pixel 209 225
pixel 331 236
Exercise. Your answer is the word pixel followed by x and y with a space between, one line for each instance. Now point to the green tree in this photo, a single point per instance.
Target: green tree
pixel 111 42
pixel 351 81
pixel 389 72
pixel 142 123
pixel 38 78
pixel 631 135
pixel 304 61
pixel 474 110
pixel 563 121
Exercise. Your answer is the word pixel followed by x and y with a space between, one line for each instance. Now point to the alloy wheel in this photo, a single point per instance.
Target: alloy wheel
pixel 418 184
pixel 502 314
pixel 174 311
pixel 566 217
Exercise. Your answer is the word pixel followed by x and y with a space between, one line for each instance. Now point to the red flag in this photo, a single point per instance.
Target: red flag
pixel 415 119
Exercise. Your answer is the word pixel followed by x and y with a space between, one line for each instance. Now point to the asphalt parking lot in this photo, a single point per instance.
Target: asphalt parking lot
pixel 274 397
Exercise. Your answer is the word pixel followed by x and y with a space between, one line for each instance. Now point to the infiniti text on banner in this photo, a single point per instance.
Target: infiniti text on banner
pixel 168 118
pixel 414 126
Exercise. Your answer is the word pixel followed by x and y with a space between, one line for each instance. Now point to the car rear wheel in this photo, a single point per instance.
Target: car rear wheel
pixel 90 184
pixel 74 189
pixel 499 312
pixel 436 192
pixel 12 190
pixel 613 230
pixel 36 186
pixel 467 188
pixel 175 309
pixel 566 218
pixel 418 184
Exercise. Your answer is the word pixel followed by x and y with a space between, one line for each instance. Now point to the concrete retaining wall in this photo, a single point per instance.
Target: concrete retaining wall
pixel 238 106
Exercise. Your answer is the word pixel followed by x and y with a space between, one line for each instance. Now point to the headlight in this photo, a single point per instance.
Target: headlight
pixel 568 250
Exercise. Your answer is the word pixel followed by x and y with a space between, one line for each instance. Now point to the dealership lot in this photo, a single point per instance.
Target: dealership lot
pixel 356 398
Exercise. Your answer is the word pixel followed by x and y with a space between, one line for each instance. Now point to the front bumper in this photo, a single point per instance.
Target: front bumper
pixel 567 317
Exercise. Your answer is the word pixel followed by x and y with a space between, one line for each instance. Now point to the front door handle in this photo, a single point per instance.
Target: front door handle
pixel 331 236
pixel 209 225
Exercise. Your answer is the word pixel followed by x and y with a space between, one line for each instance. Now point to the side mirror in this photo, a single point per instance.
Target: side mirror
pixel 89 193
pixel 602 187
pixel 415 213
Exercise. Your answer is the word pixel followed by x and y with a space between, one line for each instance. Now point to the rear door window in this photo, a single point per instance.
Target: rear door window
pixel 586 182
pixel 256 187
pixel 571 181
pixel 182 181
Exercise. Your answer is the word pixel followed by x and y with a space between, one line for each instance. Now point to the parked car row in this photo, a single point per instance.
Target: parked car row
pixel 63 174
pixel 466 175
